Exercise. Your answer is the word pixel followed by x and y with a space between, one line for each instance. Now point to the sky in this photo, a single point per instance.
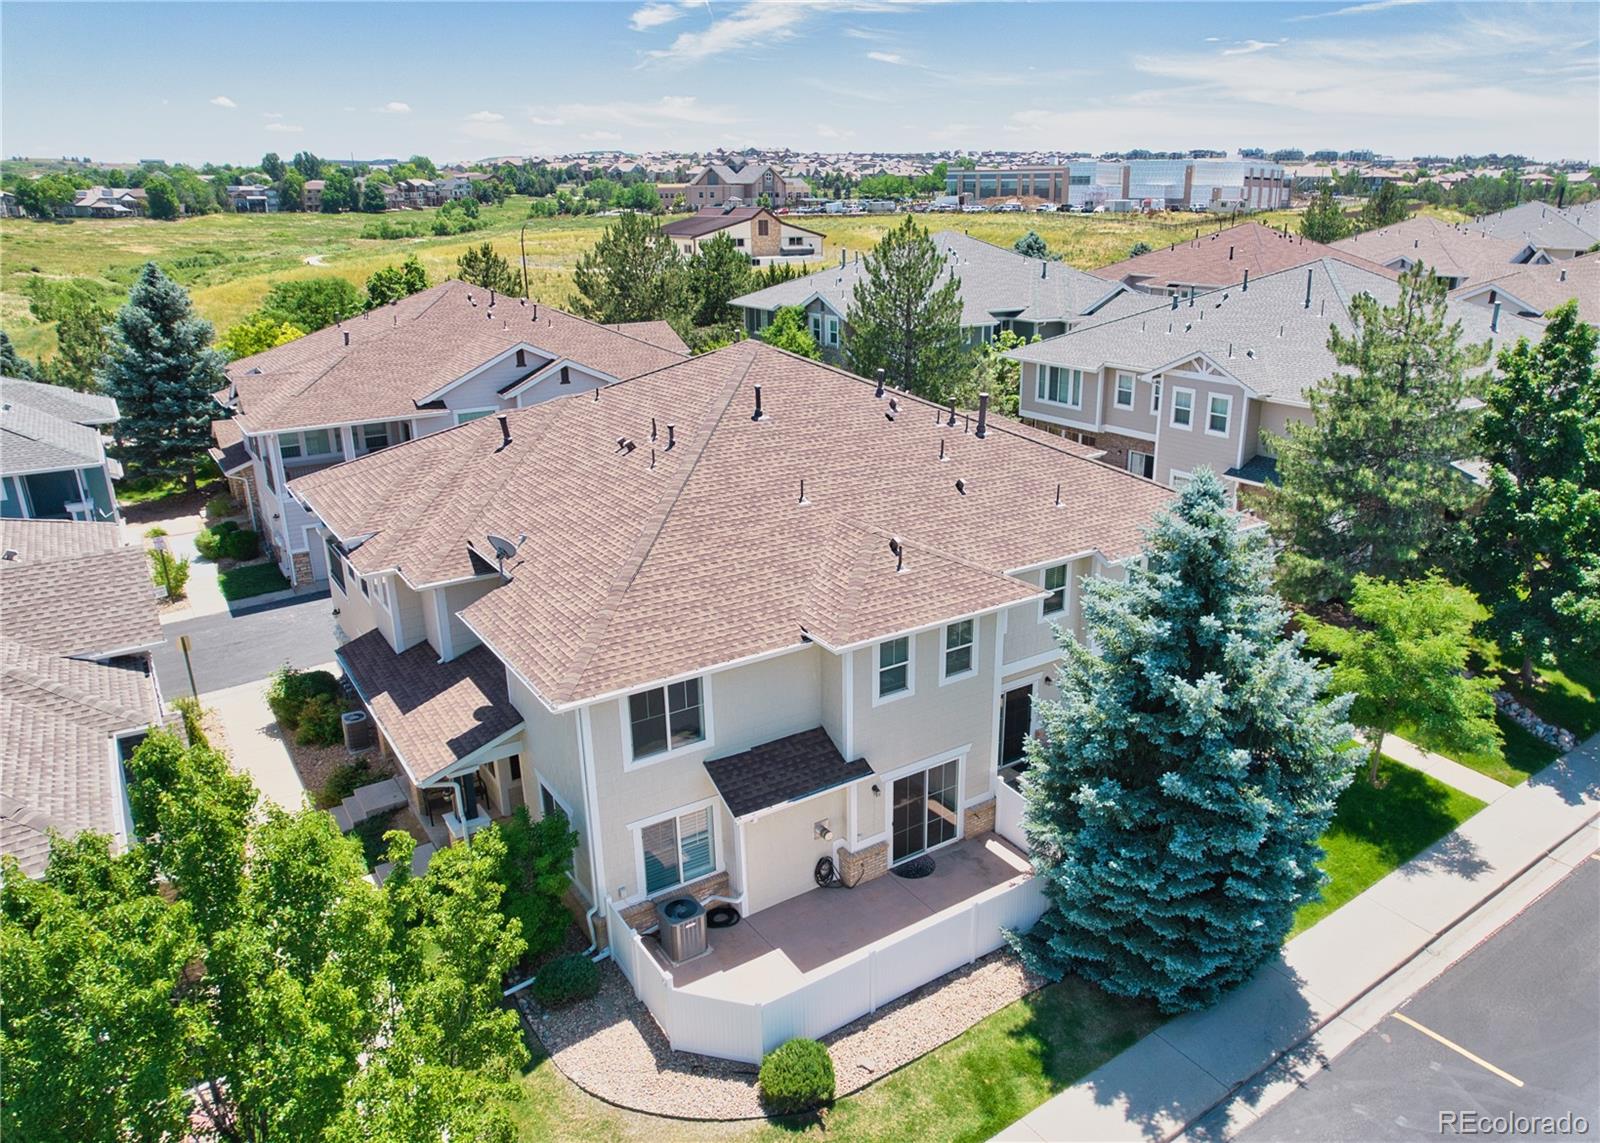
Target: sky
pixel 459 81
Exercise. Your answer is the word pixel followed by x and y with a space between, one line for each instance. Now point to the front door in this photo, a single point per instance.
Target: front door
pixel 1016 719
pixel 925 809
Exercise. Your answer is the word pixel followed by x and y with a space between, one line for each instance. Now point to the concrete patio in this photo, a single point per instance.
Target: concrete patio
pixel 769 954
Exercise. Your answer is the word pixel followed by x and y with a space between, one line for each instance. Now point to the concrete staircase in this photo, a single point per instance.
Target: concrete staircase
pixel 376 798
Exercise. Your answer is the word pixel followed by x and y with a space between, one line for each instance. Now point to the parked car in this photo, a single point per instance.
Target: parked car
pixel 1045 208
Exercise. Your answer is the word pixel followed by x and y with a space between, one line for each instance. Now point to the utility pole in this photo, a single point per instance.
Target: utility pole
pixel 522 241
pixel 188 664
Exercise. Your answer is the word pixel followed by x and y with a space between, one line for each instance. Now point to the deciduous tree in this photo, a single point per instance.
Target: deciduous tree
pixel 161 198
pixel 312 303
pixel 787 330
pixel 905 315
pixel 391 283
pixel 256 334
pixel 1188 771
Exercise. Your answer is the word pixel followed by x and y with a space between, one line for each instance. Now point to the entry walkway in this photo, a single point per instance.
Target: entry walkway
pixel 1446 770
pixel 1223 1067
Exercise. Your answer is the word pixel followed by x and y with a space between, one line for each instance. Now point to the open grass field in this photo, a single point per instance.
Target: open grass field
pixel 227 261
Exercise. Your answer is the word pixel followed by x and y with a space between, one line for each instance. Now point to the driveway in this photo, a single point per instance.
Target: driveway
pixel 229 650
pixel 1511 1030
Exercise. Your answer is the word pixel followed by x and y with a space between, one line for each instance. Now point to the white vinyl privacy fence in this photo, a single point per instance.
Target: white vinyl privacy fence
pixel 1008 806
pixel 830 997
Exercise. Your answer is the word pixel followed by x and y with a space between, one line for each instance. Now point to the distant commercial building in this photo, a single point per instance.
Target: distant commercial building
pixel 1160 184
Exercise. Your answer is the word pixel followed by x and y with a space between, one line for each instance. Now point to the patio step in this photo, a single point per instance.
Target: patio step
pixel 342 818
pixel 376 798
pixel 420 858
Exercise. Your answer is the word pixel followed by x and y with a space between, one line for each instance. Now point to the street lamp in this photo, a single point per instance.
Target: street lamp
pixel 522 241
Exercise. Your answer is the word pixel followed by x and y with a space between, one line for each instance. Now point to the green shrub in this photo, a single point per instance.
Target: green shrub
pixel 189 710
pixel 343 782
pixel 220 506
pixel 566 980
pixel 374 849
pixel 241 544
pixel 318 723
pixel 290 688
pixel 534 872
pixel 169 572
pixel 155 531
pixel 208 542
pixel 796 1076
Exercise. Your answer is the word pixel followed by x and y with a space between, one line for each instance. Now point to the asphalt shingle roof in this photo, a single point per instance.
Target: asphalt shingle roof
pixel 1267 337
pixel 1540 224
pixel 781 771
pixel 650 562
pixel 1543 288
pixel 1221 259
pixel 46 427
pixel 1449 251
pixel 994 281
pixel 86 599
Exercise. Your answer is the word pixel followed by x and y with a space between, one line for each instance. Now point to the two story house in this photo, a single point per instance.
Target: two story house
pixel 746 621
pixel 439 358
pixel 1212 380
pixel 718 184
pixel 1459 255
pixel 53 463
pixel 77 691
pixel 1218 260
pixel 755 230
pixel 1000 290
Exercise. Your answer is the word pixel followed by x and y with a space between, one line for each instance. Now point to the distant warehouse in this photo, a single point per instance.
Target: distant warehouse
pixel 1137 184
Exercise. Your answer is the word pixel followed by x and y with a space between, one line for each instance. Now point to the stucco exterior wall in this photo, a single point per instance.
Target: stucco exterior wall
pixel 782 848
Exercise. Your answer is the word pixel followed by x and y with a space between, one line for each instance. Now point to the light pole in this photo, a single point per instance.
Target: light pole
pixel 522 241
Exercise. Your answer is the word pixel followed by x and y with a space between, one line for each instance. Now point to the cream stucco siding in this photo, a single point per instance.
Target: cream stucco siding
pixel 782 848
pixel 551 754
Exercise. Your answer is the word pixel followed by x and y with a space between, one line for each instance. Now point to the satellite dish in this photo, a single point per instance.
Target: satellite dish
pixel 504 549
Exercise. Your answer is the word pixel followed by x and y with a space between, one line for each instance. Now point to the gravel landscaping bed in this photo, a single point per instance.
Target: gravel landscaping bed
pixel 612 1049
pixel 316 764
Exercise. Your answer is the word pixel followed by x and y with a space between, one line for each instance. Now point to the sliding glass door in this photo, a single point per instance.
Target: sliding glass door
pixel 925 810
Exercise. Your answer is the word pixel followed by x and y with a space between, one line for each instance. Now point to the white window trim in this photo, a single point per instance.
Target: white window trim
pixel 887 781
pixel 1066 595
pixel 718 850
pixel 625 725
pixel 1133 452
pixel 485 410
pixel 911 670
pixel 1172 411
pixel 1041 383
pixel 335 438
pixel 944 651
pixel 1176 475
pixel 1116 389
pixel 546 787
pixel 1155 397
pixel 1227 417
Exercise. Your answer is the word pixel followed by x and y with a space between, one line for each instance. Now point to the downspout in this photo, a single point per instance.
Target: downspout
pixel 591 810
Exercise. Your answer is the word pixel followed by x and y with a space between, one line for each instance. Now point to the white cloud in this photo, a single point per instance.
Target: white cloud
pixel 888 58
pixel 485 117
pixel 1250 47
pixel 285 128
pixel 546 121
pixel 668 110
pixel 223 101
pixel 653 16
pixel 395 107
pixel 272 115
pixel 1358 9
pixel 757 24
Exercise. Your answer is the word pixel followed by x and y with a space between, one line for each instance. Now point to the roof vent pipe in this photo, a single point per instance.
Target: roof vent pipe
pixel 491 297
pixel 672 436
pixel 879 392
pixel 983 416
pixel 1044 269
pixel 1563 275
pixel 1308 288
pixel 505 431
pixel 1230 253
pixel 1246 285
pixel 756 416
pixel 952 421
pixel 961 486
pixel 652 428
pixel 347 337
pixel 535 311
pixel 1494 320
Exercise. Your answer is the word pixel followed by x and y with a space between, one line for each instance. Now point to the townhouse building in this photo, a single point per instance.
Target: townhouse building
pixel 439 358
pixel 77 690
pixel 1535 289
pixel 1554 231
pixel 53 462
pixel 1000 290
pixel 755 230
pixel 1455 253
pixel 1212 380
pixel 718 184
pixel 748 622
pixel 253 198
pixel 1155 184
pixel 107 202
pixel 1220 259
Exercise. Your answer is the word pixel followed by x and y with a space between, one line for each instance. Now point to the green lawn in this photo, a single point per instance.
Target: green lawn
pixel 1377 829
pixel 1522 755
pixel 250 580
pixel 149 489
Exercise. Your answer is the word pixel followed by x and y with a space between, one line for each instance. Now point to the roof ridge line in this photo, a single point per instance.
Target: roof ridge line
pixel 648 536
pixel 69 691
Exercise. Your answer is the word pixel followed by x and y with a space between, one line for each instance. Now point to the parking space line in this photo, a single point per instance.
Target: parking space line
pixel 1458 1049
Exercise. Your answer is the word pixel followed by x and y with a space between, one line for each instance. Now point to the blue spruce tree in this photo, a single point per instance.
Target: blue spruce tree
pixel 1192 765
pixel 162 373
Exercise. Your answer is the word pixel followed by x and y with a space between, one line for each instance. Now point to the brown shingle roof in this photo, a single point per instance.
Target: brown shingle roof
pixel 1449 251
pixel 647 564
pixel 35 540
pixel 433 713
pixel 657 333
pixel 399 356
pixel 1220 259
pixel 782 770
pixel 1543 288
pixel 86 598
pixel 230 453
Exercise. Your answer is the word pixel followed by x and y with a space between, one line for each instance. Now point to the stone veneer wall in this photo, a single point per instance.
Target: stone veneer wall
pixel 979 819
pixel 643 915
pixel 864 865
pixel 301 568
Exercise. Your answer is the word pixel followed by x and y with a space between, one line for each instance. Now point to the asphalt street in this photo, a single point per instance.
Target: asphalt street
pixel 233 649
pixel 1512 1030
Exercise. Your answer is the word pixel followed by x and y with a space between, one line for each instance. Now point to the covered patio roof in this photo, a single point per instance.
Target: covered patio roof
pixel 782 771
pixel 436 715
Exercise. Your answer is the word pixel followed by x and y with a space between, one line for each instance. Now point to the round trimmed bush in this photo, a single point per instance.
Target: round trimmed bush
pixel 566 980
pixel 290 689
pixel 208 542
pixel 797 1076
pixel 241 544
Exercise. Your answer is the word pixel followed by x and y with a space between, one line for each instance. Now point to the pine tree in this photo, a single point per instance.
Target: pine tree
pixel 481 266
pixel 903 320
pixel 162 373
pixel 12 363
pixel 1534 554
pixel 714 275
pixel 1189 769
pixel 633 273
pixel 1030 245
pixel 1323 220
pixel 1368 486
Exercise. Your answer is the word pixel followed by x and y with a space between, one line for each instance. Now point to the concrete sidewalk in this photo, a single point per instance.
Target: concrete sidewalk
pixel 255 744
pixel 1212 1072
pixel 1446 770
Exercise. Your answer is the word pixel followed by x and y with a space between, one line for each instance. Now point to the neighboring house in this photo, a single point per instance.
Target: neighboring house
pixel 107 202
pixel 425 363
pixel 391 193
pixel 311 199
pixel 415 194
pixel 755 230
pixel 77 692
pixel 1556 232
pixel 1458 255
pixel 253 199
pixel 719 183
pixel 9 207
pixel 673 195
pixel 1210 381
pixel 731 617
pixel 461 185
pixel 1222 259
pixel 1535 290
pixel 53 463
pixel 1157 184
pixel 1000 290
